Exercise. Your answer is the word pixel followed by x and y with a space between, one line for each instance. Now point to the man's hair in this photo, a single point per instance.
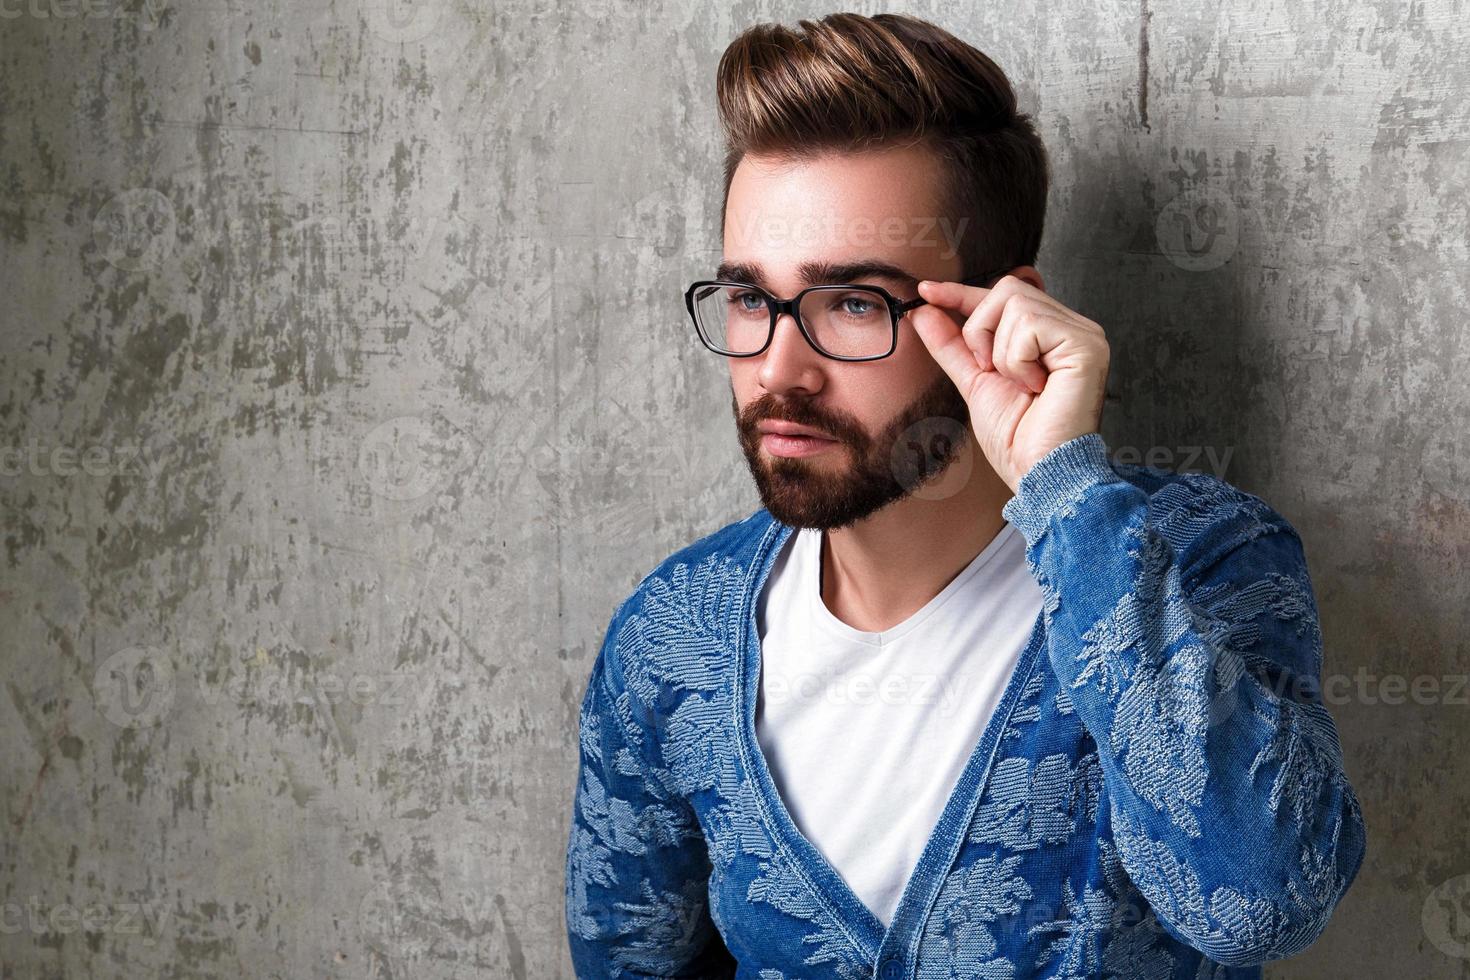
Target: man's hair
pixel 849 82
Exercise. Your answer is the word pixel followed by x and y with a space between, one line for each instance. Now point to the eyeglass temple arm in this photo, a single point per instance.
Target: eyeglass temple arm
pixel 971 281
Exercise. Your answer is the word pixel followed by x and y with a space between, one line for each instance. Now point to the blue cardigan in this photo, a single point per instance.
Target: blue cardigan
pixel 1159 794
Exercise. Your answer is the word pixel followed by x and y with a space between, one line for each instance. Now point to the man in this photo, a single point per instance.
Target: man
pixel 963 698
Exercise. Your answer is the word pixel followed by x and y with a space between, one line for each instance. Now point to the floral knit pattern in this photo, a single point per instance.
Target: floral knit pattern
pixel 1159 796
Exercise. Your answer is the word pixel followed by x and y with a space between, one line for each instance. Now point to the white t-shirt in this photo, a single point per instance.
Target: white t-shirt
pixel 866 734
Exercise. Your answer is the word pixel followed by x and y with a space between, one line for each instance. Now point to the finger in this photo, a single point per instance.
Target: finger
pixel 980 328
pixel 947 345
pixel 1015 313
pixel 980 335
pixel 952 295
pixel 1029 341
pixel 1013 319
pixel 964 298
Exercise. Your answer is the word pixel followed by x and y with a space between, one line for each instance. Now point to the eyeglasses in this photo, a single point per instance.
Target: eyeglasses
pixel 845 323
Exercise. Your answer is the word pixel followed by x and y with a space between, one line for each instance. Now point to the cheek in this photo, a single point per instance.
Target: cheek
pixel 873 395
pixel 742 378
pixel 912 357
pixel 914 368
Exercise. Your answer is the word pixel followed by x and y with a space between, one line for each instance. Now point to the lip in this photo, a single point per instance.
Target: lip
pixel 778 444
pixel 781 428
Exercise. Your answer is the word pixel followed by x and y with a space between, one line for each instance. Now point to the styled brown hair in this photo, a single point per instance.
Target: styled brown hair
pixel 849 82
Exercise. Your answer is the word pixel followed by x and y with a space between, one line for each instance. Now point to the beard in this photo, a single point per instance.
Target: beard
pixel 863 472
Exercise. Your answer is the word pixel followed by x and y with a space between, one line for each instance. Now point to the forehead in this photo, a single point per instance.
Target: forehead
pixel 837 206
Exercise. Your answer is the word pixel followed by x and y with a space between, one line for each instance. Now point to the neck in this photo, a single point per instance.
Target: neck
pixel 883 569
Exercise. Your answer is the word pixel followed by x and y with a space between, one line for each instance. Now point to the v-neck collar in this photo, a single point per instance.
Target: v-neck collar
pixel 858 922
pixel 811 594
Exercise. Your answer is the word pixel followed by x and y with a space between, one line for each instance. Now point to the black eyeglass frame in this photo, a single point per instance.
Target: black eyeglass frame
pixel 779 307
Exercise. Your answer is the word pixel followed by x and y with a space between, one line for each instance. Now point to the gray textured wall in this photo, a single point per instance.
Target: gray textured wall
pixel 346 389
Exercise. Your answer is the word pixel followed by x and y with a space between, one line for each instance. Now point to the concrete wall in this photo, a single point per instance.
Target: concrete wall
pixel 347 388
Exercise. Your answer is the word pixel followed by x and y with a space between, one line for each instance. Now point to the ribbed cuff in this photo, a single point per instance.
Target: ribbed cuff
pixel 1059 479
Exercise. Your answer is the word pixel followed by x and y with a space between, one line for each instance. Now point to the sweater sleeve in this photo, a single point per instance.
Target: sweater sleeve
pixel 637 869
pixel 1183 628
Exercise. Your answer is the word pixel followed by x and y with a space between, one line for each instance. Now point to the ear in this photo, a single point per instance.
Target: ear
pixel 1030 274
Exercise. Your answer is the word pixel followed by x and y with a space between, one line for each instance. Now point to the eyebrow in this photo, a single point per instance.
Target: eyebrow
pixel 814 273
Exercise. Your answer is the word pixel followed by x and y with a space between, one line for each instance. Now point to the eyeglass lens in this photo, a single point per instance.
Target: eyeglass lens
pixel 848 321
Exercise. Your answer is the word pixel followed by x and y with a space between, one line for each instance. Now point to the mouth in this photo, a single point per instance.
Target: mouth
pixel 779 444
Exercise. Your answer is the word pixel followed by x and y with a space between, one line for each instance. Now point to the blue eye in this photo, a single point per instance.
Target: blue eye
pixel 745 301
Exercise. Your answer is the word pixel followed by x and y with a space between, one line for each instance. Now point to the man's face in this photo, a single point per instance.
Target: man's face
pixel 840 209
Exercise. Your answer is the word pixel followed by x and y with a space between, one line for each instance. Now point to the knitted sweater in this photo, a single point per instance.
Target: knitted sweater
pixel 1159 794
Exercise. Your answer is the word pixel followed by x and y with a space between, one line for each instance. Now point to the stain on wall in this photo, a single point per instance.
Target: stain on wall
pixel 347 388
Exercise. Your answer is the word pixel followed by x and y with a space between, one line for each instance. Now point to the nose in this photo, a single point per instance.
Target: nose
pixel 789 362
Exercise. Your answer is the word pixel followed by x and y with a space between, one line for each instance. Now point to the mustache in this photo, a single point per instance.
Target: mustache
pixel 798 413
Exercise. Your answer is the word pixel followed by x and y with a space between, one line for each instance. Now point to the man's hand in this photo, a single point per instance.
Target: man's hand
pixel 1031 370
